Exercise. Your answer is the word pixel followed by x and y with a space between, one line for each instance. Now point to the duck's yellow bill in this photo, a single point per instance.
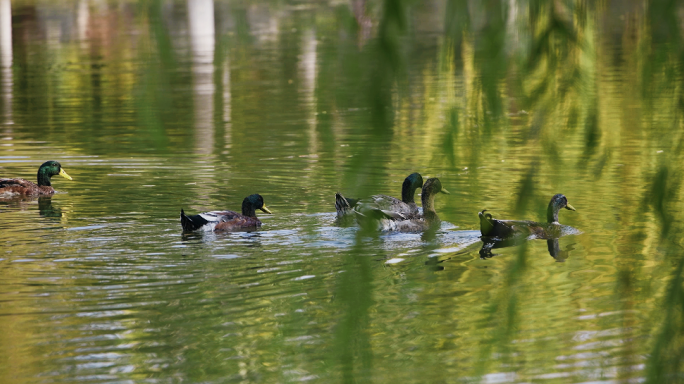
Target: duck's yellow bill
pixel 265 209
pixel 570 207
pixel 444 191
pixel 64 174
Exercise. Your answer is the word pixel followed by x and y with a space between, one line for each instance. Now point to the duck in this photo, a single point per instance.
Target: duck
pixel 390 221
pixel 502 229
pixel 23 187
pixel 404 208
pixel 227 220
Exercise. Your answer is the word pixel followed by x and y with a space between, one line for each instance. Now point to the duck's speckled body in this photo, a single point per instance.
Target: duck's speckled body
pixel 227 220
pixel 404 208
pixel 491 227
pixel 23 187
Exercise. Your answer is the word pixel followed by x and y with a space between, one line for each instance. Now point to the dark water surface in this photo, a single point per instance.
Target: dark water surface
pixel 156 106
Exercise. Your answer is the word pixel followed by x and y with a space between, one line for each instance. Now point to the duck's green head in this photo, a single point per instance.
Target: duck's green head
pixel 558 202
pixel 253 202
pixel 408 189
pixel 49 169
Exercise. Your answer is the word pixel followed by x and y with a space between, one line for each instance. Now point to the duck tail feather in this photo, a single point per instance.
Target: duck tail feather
pixel 486 223
pixel 191 223
pixel 342 204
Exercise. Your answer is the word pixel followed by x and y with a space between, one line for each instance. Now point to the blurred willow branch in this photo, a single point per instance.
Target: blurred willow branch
pixel 662 54
pixel 667 354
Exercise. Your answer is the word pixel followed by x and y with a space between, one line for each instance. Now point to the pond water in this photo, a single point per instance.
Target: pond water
pixel 156 106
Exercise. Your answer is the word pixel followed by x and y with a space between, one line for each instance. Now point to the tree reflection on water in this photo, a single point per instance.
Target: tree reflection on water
pixel 504 101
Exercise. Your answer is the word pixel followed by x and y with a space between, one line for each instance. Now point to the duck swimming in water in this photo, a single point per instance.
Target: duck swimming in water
pixel 502 229
pixel 391 221
pixel 227 220
pixel 405 208
pixel 23 187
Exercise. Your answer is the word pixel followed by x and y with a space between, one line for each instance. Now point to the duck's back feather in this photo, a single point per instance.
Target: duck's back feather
pixel 389 203
pixel 491 227
pixel 219 216
pixel 379 207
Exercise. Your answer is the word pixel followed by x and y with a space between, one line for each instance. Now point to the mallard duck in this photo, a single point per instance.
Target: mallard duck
pixel 406 207
pixel 12 187
pixel 391 221
pixel 491 227
pixel 227 220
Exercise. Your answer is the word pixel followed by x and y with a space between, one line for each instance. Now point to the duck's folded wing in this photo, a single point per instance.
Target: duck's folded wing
pixel 518 223
pixel 386 202
pixel 208 219
pixel 406 210
pixel 218 216
pixel 22 183
pixel 367 209
pixel 508 228
pixel 394 215
pixel 491 227
pixel 18 186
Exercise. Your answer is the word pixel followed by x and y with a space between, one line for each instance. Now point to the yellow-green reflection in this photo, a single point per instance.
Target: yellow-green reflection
pixel 507 103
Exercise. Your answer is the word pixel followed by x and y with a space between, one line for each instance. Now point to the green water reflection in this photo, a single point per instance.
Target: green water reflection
pixel 155 106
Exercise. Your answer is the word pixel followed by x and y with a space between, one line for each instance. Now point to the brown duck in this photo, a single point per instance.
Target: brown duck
pixel 227 220
pixel 23 187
